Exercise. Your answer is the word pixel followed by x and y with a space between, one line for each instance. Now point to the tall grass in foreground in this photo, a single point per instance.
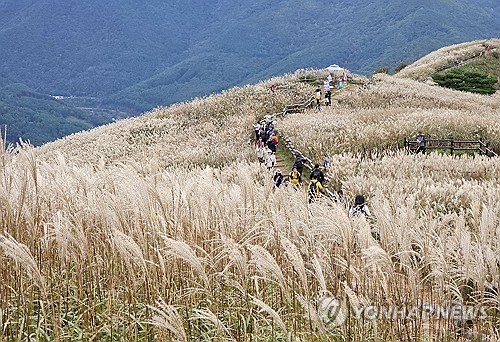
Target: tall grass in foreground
pixel 130 252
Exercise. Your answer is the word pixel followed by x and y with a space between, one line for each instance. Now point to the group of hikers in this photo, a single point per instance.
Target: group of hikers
pixel 328 84
pixel 266 143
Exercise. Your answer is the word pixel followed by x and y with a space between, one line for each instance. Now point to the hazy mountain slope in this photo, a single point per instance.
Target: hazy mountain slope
pixel 139 55
pixel 276 38
pixel 39 117
pixel 446 56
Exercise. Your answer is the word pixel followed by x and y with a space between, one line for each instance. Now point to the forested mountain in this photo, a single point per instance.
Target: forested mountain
pixel 133 56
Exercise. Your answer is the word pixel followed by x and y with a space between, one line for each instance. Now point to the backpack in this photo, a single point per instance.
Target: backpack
pixel 315 174
pixel 358 210
pixel 313 189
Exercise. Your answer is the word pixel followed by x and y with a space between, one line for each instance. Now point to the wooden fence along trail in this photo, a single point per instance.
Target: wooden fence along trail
pixel 452 145
pixel 459 63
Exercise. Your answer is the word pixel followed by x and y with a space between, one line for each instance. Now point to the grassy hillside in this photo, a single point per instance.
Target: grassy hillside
pixel 163 227
pixel 451 56
pixel 380 115
pixel 206 131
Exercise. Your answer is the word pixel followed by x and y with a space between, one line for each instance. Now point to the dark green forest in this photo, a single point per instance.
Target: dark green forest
pixel 117 58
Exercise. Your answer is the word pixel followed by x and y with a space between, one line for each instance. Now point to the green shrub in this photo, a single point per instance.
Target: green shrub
pixel 400 67
pixel 466 80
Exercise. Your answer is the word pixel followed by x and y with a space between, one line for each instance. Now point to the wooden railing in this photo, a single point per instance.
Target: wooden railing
pixel 452 145
pixel 295 108
pixel 459 63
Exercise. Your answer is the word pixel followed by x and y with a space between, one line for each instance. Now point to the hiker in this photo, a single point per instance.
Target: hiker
pixel 257 127
pixel 273 88
pixel 260 154
pixel 315 189
pixel 298 164
pixel 318 174
pixel 328 98
pixel 262 130
pixel 268 118
pixel 286 182
pixel 273 142
pixel 421 140
pixel 265 152
pixel 270 160
pixel 318 99
pixel 360 208
pixel 340 82
pixel 326 163
pixel 295 177
pixel 278 178
pixel 326 85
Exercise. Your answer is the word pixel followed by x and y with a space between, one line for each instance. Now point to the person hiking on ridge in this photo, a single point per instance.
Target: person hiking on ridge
pixel 328 98
pixel 260 153
pixel 326 163
pixel 270 160
pixel 421 141
pixel 360 208
pixel 298 164
pixel 318 99
pixel 315 189
pixel 295 178
pixel 273 142
pixel 317 174
pixel 269 118
pixel 257 128
pixel 278 178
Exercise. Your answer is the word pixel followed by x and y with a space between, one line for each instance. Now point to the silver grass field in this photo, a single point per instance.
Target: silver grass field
pixel 163 227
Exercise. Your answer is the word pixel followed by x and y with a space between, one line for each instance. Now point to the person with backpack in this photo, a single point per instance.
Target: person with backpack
pixel 295 177
pixel 318 174
pixel 340 197
pixel 315 189
pixel 317 97
pixel 273 142
pixel 260 153
pixel 278 179
pixel 298 164
pixel 359 208
pixel 328 98
pixel 257 128
pixel 326 163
